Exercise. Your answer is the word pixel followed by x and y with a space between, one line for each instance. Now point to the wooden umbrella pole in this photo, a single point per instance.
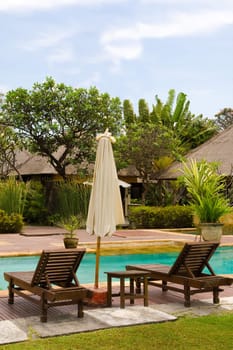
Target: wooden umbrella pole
pixel 97 262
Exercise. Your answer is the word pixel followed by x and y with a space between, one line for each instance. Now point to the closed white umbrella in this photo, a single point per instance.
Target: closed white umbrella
pixel 105 206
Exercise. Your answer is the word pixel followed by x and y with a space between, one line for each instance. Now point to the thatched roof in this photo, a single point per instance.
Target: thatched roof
pixel 218 149
pixel 32 164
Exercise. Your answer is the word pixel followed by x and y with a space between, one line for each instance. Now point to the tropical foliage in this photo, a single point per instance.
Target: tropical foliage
pixel 152 140
pixel 206 189
pixel 175 115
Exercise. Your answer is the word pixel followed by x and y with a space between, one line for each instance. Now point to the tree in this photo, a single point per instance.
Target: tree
pixel 143 110
pixel 174 114
pixel 1 98
pixel 7 147
pixel 59 122
pixel 224 118
pixel 7 152
pixel 159 137
pixel 128 112
pixel 143 146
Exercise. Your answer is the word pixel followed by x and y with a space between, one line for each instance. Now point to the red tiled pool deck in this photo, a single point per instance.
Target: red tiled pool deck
pixel 36 238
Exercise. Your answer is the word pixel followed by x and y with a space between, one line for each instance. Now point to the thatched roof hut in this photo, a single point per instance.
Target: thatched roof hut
pixel 218 149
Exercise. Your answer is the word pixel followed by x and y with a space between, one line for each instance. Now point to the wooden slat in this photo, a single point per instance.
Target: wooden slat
pixel 22 308
pixel 195 256
pixel 58 266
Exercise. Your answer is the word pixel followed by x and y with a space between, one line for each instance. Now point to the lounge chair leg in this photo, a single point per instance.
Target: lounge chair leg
pixel 131 290
pixel 122 292
pixel 145 291
pixel 164 286
pixel 44 309
pixel 187 302
pixel 80 309
pixel 138 286
pixel 11 293
pixel 216 295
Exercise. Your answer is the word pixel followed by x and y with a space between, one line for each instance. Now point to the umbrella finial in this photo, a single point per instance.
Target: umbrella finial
pixel 106 134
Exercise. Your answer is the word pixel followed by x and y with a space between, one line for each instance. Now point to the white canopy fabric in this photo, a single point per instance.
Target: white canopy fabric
pixel 124 184
pixel 105 206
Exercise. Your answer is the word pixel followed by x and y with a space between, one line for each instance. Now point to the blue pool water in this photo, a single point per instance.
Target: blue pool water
pixel 221 262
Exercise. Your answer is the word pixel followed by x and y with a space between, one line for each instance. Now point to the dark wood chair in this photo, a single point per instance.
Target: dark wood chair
pixel 187 275
pixel 53 283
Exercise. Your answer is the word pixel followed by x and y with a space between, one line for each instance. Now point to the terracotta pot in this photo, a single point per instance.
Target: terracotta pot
pixel 211 231
pixel 70 242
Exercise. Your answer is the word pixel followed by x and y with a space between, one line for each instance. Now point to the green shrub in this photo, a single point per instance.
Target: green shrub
pixel 10 223
pixel 161 217
pixel 35 211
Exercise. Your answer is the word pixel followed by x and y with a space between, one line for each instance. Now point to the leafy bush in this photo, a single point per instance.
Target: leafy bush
pixel 35 211
pixel 10 223
pixel 161 217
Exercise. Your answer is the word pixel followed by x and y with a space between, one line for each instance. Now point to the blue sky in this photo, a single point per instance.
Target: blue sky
pixel 129 48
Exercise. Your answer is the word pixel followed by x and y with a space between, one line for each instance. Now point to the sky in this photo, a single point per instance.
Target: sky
pixel 132 49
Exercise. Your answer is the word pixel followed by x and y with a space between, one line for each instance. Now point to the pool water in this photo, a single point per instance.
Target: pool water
pixel 221 262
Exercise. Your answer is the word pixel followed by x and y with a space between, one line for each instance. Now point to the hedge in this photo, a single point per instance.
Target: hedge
pixel 160 217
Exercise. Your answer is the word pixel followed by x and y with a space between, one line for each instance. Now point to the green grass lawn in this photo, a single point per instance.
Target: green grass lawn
pixel 207 333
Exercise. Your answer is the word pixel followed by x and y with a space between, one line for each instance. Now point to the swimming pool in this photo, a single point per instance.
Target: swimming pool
pixel 221 262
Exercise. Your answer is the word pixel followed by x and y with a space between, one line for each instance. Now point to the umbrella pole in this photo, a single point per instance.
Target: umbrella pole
pixel 97 261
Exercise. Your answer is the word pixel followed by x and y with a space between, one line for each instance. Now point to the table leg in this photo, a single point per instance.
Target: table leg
pixel 122 292
pixel 131 290
pixel 145 283
pixel 109 288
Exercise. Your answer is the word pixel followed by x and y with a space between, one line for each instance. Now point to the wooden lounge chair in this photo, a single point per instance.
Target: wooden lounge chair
pixel 187 271
pixel 53 283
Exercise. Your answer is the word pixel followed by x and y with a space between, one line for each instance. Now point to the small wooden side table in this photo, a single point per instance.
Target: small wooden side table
pixel 132 275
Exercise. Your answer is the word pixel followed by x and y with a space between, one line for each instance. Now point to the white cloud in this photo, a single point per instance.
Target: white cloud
pixel 126 43
pixel 180 24
pixel 34 5
pixel 127 51
pixel 49 39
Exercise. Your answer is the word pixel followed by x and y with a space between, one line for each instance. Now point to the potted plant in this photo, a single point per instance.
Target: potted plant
pixel 70 224
pixel 205 187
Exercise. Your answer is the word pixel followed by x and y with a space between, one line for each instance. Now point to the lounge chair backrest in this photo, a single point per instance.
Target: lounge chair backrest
pixel 193 258
pixel 57 267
